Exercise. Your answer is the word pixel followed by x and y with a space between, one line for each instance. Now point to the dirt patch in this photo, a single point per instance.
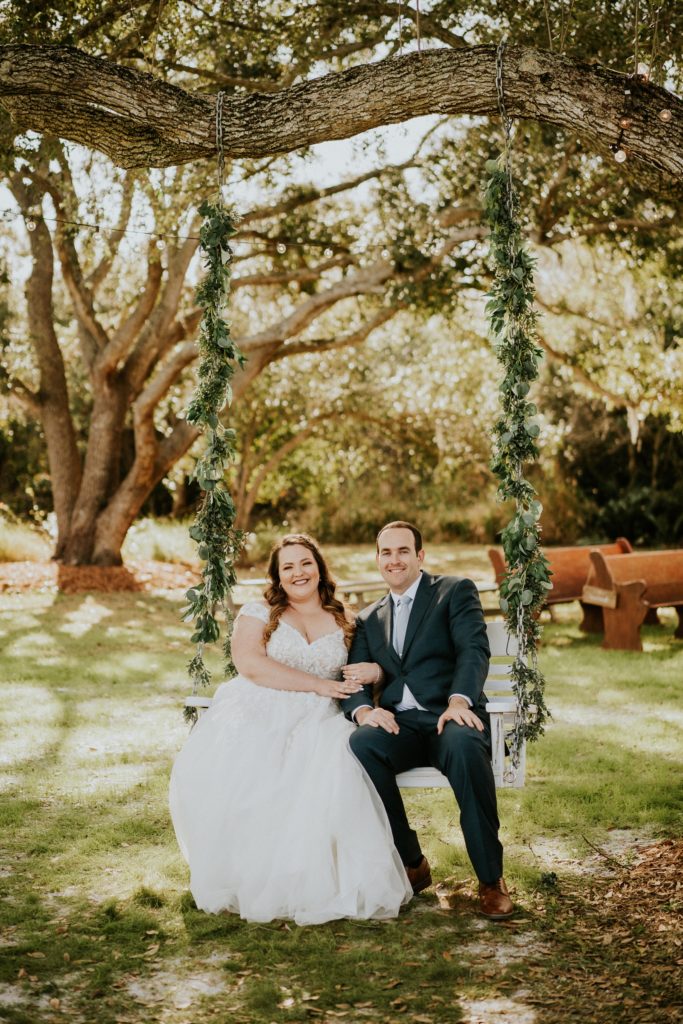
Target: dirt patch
pixel 504 1010
pixel 52 577
pixel 169 989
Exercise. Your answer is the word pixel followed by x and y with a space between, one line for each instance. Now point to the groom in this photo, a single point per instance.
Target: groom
pixel 429 637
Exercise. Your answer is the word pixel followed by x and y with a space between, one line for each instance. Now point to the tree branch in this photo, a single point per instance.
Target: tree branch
pixel 124 338
pixel 562 311
pixel 352 338
pixel 141 121
pixel 671 225
pixel 161 328
pixel 15 389
pixel 429 27
pixel 545 219
pixel 94 338
pixel 620 401
pixel 312 195
pixel 300 275
pixel 97 276
pixel 165 378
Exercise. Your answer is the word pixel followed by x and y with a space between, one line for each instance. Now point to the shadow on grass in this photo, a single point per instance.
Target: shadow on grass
pixel 96 912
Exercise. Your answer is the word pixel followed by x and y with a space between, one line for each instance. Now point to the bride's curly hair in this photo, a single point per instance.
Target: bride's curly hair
pixel 277 598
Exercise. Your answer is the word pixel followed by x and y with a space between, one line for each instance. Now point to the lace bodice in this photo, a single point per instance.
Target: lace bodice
pixel 323 657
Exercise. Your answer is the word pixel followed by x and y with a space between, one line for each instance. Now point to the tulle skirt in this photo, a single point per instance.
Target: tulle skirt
pixel 275 816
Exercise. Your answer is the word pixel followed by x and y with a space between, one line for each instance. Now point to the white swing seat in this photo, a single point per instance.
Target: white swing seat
pixel 501 706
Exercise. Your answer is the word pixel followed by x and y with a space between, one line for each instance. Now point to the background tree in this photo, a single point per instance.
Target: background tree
pixel 319 268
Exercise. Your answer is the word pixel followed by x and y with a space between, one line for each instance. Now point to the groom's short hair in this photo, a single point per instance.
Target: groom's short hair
pixel 400 524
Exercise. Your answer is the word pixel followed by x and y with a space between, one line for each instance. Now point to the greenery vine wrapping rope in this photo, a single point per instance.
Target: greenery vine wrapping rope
pixel 513 325
pixel 213 527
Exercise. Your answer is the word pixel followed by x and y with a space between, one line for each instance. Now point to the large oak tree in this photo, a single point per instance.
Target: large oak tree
pixel 328 71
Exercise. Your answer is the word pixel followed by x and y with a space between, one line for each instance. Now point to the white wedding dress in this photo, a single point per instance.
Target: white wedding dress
pixel 273 813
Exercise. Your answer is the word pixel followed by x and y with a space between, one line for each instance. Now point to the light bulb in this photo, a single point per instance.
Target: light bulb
pixel 625 122
pixel 281 247
pixel 385 254
pixel 665 115
pixel 31 225
pixel 620 156
pixel 161 244
pixel 328 254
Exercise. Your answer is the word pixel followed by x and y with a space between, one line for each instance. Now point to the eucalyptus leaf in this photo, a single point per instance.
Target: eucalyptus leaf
pixel 512 322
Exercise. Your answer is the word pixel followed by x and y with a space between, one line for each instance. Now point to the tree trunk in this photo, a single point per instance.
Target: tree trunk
pixel 101 467
pixel 181 497
pixel 62 452
pixel 153 460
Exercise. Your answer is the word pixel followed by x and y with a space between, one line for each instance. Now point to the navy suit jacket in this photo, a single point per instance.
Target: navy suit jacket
pixel 446 649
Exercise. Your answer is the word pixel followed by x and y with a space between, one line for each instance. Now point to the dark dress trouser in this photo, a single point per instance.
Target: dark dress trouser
pixel 463 755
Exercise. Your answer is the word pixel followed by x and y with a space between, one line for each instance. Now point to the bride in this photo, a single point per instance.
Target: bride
pixel 272 812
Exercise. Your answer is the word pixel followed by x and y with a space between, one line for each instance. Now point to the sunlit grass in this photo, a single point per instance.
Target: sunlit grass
pixel 93 882
pixel 20 542
pixel 160 540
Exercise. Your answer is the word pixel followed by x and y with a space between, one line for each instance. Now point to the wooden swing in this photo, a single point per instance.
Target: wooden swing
pixel 513 667
pixel 501 706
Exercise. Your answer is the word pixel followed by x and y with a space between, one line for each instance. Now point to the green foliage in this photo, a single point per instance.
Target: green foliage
pixel 513 325
pixel 622 488
pixel 213 530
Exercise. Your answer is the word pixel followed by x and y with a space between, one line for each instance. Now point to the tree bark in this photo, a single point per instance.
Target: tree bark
pixel 100 471
pixel 53 395
pixel 140 121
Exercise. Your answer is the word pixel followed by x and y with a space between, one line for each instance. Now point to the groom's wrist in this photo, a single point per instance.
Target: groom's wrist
pixel 460 697
pixel 355 713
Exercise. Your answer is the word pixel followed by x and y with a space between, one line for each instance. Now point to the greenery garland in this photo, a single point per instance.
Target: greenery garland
pixel 512 319
pixel 213 527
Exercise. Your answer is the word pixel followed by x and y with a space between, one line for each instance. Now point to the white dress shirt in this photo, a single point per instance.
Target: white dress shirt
pixel 407 702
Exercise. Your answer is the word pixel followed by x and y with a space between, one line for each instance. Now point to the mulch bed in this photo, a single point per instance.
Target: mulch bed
pixel 51 577
pixel 620 945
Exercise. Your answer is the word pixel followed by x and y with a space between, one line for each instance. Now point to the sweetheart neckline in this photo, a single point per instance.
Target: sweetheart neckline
pixel 309 643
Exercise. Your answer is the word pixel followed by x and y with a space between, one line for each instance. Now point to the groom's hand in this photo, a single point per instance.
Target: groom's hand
pixel 460 712
pixel 378 718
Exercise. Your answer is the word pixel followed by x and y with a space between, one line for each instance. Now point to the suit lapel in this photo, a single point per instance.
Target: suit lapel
pixel 423 600
pixel 384 614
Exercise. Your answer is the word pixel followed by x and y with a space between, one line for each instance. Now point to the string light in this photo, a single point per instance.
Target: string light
pixel 639 78
pixel 161 241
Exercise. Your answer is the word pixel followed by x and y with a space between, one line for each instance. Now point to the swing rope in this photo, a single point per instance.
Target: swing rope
pixel 512 320
pixel 213 529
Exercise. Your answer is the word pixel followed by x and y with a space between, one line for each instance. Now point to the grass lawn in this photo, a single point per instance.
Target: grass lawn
pixel 96 921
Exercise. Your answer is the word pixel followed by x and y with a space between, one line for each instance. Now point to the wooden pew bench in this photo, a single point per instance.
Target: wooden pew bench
pixel 628 587
pixel 570 567
pixel 501 707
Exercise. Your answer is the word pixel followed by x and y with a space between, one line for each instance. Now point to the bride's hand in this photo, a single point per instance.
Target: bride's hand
pixel 337 689
pixel 365 672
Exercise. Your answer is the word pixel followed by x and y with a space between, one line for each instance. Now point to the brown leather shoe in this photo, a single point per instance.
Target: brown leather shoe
pixel 421 876
pixel 494 901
